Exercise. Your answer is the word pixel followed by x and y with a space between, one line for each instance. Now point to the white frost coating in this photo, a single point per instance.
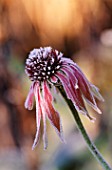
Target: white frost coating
pixel 39 56
pixel 52 60
pixel 39 77
pixel 28 60
pixel 43 73
pixel 76 86
pixel 45 54
pixel 34 52
pixel 31 56
pixel 60 55
pixel 53 71
pixel 44 68
pixel 31 63
pixel 48 49
pixel 28 68
pixel 49 68
pixel 38 67
pixel 56 52
pixel 58 67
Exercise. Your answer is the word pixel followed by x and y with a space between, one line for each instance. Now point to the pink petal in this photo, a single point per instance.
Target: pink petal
pixel 78 99
pixel 66 85
pixel 52 115
pixel 71 76
pixel 84 86
pixel 38 114
pixel 66 82
pixel 80 106
pixel 30 99
pixel 67 61
pixel 45 140
pixel 73 93
pixel 45 134
pixel 54 79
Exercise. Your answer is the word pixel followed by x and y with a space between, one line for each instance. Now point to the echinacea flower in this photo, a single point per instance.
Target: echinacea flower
pixel 46 67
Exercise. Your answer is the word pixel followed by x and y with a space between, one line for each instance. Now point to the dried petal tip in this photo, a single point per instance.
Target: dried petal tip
pixel 92 119
pixel 96 93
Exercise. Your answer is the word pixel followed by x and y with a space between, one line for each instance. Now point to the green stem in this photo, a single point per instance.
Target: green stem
pixel 89 143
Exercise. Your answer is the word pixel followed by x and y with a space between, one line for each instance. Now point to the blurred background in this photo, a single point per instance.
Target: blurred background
pixel 82 30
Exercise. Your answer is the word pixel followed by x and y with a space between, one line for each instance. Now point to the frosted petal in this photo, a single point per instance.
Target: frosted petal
pixel 30 99
pixel 52 115
pixel 38 114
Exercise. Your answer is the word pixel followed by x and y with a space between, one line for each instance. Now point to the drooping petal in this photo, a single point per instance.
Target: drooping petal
pixel 45 133
pixel 80 106
pixel 87 89
pixel 30 99
pixel 73 93
pixel 45 140
pixel 84 86
pixel 70 75
pixel 38 114
pixel 79 103
pixel 66 85
pixel 96 92
pixel 52 115
pixel 78 99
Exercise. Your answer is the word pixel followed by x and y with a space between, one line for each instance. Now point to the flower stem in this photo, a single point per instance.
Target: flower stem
pixel 88 141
